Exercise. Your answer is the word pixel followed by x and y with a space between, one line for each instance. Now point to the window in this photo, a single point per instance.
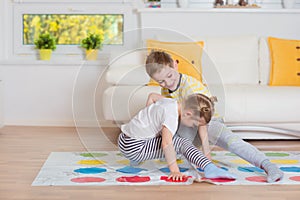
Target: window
pixel 69 21
pixel 70 29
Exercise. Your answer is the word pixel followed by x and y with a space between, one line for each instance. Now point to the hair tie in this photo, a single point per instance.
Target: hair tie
pixel 205 109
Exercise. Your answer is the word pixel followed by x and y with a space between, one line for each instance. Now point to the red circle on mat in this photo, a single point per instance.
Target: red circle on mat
pixel 219 180
pixel 133 179
pixel 165 178
pixel 87 180
pixel 260 179
pixel 295 178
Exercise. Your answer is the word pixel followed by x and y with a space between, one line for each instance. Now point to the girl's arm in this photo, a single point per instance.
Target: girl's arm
pixel 153 97
pixel 202 131
pixel 170 154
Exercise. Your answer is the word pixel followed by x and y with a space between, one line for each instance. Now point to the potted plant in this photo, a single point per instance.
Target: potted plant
pixel 92 44
pixel 45 44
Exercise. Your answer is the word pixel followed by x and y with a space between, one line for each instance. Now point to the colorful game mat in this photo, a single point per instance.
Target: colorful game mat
pixel 111 168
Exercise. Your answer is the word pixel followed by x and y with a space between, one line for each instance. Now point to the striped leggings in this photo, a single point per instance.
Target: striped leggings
pixel 139 150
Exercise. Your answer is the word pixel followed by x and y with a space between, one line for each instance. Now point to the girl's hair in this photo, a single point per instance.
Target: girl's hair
pixel 200 105
pixel 156 60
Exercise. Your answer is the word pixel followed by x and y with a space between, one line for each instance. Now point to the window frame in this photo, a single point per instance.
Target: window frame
pixel 20 50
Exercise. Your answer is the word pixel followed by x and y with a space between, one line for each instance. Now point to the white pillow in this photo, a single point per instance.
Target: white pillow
pixel 235 58
pixel 264 61
pixel 127 75
pixel 128 69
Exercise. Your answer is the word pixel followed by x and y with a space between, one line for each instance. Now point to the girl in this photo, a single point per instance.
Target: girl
pixel 161 67
pixel 151 135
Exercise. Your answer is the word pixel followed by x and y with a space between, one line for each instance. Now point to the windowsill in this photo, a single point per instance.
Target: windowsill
pixel 217 10
pixel 60 60
pixel 53 62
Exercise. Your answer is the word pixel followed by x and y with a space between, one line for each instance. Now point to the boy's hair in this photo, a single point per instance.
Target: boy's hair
pixel 200 105
pixel 156 60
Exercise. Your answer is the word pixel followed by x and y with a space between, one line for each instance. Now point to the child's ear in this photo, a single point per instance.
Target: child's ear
pixel 175 65
pixel 188 113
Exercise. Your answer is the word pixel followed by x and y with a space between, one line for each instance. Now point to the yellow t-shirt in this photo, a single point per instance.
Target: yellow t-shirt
pixel 187 86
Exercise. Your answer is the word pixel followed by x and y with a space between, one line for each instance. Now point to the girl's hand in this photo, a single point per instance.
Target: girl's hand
pixel 176 176
pixel 153 97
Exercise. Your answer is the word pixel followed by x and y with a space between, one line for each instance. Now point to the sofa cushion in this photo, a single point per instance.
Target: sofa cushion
pixel 187 54
pixel 236 58
pixel 243 103
pixel 121 103
pixel 128 69
pixel 285 62
pixel 127 75
pixel 263 104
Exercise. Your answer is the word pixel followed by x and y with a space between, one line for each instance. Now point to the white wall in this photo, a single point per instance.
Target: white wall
pixel 38 93
pixel 272 4
pixel 55 93
pixel 281 23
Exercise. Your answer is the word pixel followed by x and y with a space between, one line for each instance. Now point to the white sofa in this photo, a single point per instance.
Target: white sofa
pixel 236 70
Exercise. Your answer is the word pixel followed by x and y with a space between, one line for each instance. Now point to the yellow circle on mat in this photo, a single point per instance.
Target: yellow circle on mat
pixel 91 162
pixel 285 161
pixel 179 161
pixel 240 161
pixel 123 162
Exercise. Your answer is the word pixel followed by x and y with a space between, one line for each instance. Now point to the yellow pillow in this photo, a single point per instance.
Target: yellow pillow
pixel 285 62
pixel 186 54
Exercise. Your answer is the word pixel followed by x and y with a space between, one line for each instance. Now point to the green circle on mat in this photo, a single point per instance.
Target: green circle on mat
pixel 93 154
pixel 213 154
pixel 277 154
pixel 230 154
pixel 119 154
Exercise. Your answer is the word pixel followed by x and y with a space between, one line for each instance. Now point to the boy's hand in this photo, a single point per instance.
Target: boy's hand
pixel 176 176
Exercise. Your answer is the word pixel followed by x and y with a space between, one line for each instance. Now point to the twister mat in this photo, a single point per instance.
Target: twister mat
pixel 111 168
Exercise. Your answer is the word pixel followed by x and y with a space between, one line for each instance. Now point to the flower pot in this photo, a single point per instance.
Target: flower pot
pixel 91 54
pixel 45 54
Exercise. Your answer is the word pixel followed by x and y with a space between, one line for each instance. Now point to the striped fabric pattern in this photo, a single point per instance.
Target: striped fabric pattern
pixel 138 150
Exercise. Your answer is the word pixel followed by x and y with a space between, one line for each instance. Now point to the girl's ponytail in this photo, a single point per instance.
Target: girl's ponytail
pixel 200 105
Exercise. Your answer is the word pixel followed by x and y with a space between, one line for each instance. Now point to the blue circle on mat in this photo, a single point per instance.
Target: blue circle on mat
pixel 167 170
pixel 224 168
pixel 91 170
pixel 290 169
pixel 201 170
pixel 130 170
pixel 250 169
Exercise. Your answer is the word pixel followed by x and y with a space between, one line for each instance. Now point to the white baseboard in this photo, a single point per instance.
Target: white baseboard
pixel 110 124
pixel 1 104
pixel 69 123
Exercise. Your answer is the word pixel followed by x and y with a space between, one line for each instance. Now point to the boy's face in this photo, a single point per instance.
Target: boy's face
pixel 168 77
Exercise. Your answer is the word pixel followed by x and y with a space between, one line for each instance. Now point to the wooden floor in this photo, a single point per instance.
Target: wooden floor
pixel 23 150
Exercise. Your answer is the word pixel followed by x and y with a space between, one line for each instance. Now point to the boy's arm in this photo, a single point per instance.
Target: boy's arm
pixel 153 97
pixel 170 154
pixel 202 131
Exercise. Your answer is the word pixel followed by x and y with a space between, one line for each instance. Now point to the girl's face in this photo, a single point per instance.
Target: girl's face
pixel 189 120
pixel 167 77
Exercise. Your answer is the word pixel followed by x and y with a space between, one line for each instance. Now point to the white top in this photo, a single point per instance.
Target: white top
pixel 149 121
